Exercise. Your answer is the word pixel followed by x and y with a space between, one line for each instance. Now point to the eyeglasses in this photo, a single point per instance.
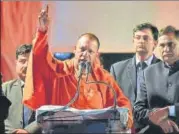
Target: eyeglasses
pixel 145 37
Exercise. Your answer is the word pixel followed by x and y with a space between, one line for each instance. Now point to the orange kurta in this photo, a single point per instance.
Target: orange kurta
pixel 52 82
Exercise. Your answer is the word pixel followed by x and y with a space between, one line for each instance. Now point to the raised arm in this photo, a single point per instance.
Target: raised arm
pixel 41 51
pixel 42 67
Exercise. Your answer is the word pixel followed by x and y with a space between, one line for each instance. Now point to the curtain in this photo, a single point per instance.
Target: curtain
pixel 18 25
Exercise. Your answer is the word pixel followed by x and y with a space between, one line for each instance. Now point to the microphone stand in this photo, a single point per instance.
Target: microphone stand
pixel 115 115
pixel 109 86
pixel 81 67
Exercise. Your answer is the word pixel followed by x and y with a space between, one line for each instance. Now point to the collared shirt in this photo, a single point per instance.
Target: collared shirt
pixel 139 69
pixel 26 110
pixel 147 61
pixel 22 83
pixel 172 68
pixel 172 110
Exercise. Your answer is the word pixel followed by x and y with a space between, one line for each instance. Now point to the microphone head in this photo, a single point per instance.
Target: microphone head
pixel 84 65
pixel 81 66
pixel 88 67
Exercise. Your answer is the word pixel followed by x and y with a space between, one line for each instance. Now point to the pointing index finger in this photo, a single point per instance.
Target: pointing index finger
pixel 46 8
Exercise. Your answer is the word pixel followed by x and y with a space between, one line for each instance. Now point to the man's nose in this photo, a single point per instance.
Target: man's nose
pixel 166 48
pixel 25 64
pixel 85 53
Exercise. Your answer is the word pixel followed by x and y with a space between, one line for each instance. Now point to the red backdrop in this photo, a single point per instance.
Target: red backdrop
pixel 18 25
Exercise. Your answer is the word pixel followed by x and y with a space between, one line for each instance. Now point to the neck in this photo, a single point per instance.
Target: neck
pixel 142 57
pixel 21 78
pixel 170 62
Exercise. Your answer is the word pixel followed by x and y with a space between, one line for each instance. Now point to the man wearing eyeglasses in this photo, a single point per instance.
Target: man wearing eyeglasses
pixel 157 104
pixel 128 73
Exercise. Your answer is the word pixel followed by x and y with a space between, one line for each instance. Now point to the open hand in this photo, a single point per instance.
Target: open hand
pixel 158 115
pixel 169 126
pixel 20 131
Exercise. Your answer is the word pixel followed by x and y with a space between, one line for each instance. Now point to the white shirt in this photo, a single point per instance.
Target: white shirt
pixel 22 83
pixel 147 61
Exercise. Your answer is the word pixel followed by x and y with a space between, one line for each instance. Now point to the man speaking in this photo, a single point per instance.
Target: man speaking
pixel 53 82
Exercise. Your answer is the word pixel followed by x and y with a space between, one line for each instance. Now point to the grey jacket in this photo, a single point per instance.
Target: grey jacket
pixel 13 91
pixel 158 89
pixel 124 72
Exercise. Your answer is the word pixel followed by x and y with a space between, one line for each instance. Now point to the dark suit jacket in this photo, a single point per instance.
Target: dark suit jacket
pixel 158 89
pixel 12 90
pixel 125 73
pixel 4 103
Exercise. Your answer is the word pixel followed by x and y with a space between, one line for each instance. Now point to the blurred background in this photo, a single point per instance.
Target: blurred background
pixel 111 21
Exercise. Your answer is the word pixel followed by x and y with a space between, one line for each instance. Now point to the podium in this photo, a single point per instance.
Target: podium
pixel 60 119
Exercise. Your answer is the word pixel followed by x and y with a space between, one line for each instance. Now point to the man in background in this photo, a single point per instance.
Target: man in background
pixel 157 103
pixel 127 73
pixel 20 118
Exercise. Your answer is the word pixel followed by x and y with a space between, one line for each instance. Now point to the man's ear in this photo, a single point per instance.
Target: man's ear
pixel 74 49
pixel 155 43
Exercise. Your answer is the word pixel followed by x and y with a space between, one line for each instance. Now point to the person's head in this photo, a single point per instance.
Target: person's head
pixel 145 38
pixel 168 44
pixel 22 56
pixel 86 48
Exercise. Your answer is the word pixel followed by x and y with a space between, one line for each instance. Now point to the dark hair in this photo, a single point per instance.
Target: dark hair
pixel 166 30
pixel 91 36
pixel 147 26
pixel 177 34
pixel 23 49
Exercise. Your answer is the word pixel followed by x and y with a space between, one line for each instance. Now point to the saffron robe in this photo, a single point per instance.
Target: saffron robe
pixel 52 82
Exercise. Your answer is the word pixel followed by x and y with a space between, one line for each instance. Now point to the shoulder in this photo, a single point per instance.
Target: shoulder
pixel 157 67
pixel 122 63
pixel 8 85
pixel 11 82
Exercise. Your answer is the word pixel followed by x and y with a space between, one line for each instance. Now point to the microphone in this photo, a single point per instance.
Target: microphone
pixel 88 67
pixel 83 65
